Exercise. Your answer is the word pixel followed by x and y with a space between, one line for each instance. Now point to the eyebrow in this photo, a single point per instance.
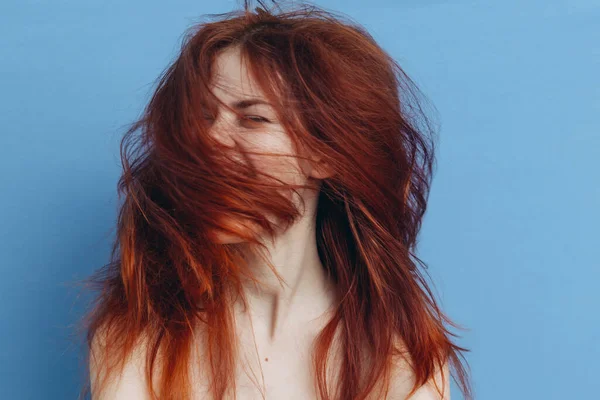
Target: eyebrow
pixel 242 104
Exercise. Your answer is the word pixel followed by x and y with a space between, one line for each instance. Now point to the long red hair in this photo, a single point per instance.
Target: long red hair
pixel 339 95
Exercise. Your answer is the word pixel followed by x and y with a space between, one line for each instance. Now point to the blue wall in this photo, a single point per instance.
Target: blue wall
pixel 511 234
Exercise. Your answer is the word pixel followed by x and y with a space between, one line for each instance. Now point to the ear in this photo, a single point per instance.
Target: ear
pixel 320 170
pixel 313 165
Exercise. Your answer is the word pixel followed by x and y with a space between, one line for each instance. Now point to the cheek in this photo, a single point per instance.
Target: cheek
pixel 285 166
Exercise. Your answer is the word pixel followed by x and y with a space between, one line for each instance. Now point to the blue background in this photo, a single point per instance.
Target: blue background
pixel 510 236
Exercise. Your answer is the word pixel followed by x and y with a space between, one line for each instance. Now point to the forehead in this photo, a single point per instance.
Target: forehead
pixel 232 79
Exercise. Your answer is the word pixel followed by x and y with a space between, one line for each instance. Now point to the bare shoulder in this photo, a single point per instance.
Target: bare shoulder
pixel 432 389
pixel 402 380
pixel 130 383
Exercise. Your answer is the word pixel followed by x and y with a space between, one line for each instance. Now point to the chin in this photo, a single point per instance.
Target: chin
pixel 224 238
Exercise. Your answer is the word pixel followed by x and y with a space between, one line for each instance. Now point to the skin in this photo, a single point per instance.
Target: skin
pixel 275 309
pixel 277 330
pixel 281 322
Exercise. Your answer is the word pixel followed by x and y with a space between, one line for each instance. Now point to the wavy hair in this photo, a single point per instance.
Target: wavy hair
pixel 339 95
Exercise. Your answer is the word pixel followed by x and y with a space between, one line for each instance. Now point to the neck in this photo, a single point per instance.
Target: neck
pixel 306 292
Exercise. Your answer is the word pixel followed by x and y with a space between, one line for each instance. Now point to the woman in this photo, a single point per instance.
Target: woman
pixel 271 206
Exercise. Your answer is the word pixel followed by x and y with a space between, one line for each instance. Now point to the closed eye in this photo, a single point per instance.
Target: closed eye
pixel 256 118
pixel 251 118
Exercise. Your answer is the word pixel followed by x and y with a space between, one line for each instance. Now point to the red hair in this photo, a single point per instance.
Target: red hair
pixel 340 96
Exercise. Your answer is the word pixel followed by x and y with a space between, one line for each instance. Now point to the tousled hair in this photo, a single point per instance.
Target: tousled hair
pixel 338 95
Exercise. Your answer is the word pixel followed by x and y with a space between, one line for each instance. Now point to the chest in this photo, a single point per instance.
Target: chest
pixel 285 370
pixel 267 371
pixel 281 371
